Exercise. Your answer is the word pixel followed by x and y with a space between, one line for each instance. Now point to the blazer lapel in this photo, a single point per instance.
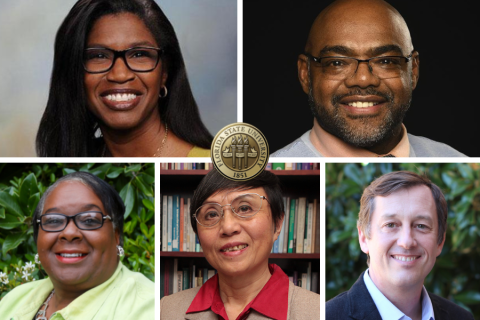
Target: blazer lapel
pixel 203 315
pixel 438 309
pixel 361 303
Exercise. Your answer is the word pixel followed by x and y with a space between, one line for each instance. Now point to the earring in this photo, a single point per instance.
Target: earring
pixel 37 260
pixel 120 251
pixel 165 92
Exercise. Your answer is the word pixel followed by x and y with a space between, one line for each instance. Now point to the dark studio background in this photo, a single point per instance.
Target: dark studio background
pixel 443 105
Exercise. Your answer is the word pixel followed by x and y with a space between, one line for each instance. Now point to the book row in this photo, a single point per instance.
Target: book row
pixel 270 166
pixel 174 278
pixel 292 166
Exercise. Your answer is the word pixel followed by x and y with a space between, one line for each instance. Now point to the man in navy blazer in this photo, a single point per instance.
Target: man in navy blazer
pixel 401 227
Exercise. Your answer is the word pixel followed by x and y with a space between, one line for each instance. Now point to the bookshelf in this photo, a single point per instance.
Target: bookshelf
pixel 295 184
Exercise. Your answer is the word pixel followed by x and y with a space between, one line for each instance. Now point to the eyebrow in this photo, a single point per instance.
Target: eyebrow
pixel 346 51
pixel 131 45
pixel 417 217
pixel 86 207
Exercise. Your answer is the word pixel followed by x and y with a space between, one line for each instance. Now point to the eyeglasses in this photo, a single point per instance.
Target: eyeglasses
pixel 341 68
pixel 138 59
pixel 245 206
pixel 89 220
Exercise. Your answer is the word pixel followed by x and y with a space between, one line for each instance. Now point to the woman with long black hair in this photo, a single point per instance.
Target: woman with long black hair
pixel 119 86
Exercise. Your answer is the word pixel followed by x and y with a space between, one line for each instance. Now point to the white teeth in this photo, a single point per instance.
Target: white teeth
pixel 121 97
pixel 240 247
pixel 402 258
pixel 360 104
pixel 71 255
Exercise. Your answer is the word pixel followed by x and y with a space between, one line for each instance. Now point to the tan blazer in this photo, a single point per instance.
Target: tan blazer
pixel 302 305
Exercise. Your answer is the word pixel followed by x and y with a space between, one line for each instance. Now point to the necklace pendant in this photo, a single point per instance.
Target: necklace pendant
pixel 41 315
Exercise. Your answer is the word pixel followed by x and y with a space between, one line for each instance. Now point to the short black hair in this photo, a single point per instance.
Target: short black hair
pixel 110 198
pixel 214 182
pixel 68 128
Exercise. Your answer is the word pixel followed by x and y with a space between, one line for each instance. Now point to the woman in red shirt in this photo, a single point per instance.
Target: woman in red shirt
pixel 237 223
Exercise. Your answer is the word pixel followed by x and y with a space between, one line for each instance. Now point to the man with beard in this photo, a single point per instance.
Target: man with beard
pixel 359 70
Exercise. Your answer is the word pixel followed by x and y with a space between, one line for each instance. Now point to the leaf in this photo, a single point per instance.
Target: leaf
pixel 12 241
pixel 353 172
pixel 148 204
pixel 29 186
pixel 10 222
pixel 148 191
pixel 128 196
pixel 2 213
pixel 114 172
pixel 150 170
pixel 339 235
pixel 10 203
pixel 147 179
pixel 144 229
pixel 469 297
pixel 135 167
pixel 33 202
pixel 101 170
pixel 68 171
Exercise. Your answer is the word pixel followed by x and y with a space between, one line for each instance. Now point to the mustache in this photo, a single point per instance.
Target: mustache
pixel 360 92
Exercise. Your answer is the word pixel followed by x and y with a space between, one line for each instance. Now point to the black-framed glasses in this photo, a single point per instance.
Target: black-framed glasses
pixel 137 59
pixel 244 206
pixel 88 220
pixel 341 68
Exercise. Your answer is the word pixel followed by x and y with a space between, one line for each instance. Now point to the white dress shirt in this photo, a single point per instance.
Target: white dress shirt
pixel 388 311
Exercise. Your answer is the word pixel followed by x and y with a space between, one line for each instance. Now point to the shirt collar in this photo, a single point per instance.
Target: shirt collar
pixel 388 310
pixel 329 145
pixel 276 289
pixel 98 294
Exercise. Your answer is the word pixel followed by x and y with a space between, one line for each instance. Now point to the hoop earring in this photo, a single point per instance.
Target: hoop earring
pixel 120 251
pixel 165 92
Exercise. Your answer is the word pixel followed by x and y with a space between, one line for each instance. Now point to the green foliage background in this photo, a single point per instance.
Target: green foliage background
pixel 456 274
pixel 22 185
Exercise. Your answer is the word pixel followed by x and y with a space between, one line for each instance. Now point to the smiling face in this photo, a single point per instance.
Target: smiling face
pixel 362 109
pixel 403 239
pixel 257 233
pixel 59 251
pixel 138 91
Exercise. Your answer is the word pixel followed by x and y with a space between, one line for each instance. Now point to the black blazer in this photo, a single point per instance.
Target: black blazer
pixel 357 303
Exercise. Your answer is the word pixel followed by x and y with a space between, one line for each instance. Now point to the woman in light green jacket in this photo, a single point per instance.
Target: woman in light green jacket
pixel 78 229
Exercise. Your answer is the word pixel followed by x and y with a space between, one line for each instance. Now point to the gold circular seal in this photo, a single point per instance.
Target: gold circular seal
pixel 240 151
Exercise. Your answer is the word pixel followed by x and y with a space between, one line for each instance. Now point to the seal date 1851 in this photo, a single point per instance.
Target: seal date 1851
pixel 239 151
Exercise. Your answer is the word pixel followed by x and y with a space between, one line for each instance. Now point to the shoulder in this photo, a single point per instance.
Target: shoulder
pixel 175 305
pixel 356 302
pixel 337 306
pixel 297 148
pixel 425 147
pixel 198 152
pixel 303 304
pixel 25 298
pixel 137 281
pixel 446 309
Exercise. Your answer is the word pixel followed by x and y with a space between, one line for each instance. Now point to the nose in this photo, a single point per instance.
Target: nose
pixel 363 77
pixel 120 72
pixel 229 224
pixel 71 232
pixel 406 239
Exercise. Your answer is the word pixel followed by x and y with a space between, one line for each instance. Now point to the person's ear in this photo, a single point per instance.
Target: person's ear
pixel 440 246
pixel 303 74
pixel 278 227
pixel 117 237
pixel 363 240
pixel 415 69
